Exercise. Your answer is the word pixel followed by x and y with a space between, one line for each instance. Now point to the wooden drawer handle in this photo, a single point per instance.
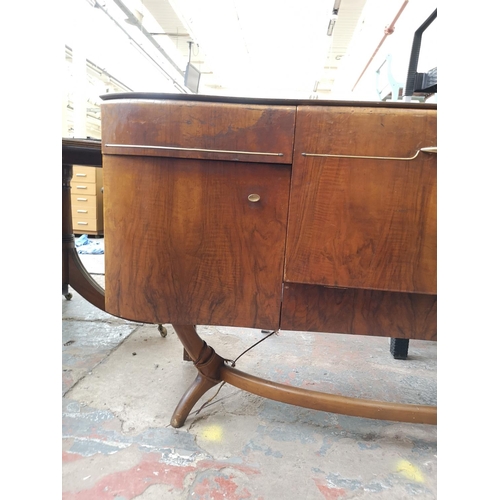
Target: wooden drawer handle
pixel 197 150
pixel 432 150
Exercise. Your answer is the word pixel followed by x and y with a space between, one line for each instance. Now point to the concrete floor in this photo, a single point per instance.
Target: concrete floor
pixel 121 382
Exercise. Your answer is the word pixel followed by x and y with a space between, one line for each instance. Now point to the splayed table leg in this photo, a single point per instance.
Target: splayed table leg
pixel 208 363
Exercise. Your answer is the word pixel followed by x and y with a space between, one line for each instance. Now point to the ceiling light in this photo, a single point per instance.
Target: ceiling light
pixel 137 17
pixel 331 24
pixel 333 18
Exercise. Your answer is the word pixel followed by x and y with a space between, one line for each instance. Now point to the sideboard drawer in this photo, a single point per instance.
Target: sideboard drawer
pixel 363 199
pixel 315 308
pixel 199 130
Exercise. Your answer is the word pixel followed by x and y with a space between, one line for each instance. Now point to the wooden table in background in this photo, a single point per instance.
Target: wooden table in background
pixel 85 152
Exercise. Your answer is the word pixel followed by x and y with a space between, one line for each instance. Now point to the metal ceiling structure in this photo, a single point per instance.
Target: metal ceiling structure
pixel 182 21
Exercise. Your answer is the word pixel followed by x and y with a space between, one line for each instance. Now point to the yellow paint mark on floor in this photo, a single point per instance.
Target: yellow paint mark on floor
pixel 410 471
pixel 212 433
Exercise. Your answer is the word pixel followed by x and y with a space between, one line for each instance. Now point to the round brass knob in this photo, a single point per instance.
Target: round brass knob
pixel 253 198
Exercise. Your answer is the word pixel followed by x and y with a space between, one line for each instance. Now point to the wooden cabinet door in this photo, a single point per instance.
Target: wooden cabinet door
pixel 363 222
pixel 185 245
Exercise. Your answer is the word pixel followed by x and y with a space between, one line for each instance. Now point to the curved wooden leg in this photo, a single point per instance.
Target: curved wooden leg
pixel 73 271
pixel 191 396
pixel 82 282
pixel 68 240
pixel 208 363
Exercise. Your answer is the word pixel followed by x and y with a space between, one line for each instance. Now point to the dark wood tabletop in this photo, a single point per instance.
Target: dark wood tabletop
pixel 81 152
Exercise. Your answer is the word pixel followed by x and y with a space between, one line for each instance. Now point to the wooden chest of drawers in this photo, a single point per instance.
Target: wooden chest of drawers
pixel 87 200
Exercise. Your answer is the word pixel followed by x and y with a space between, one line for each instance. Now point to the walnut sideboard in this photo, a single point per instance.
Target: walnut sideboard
pixel 271 214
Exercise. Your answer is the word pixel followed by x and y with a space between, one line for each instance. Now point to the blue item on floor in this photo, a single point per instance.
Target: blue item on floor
pixel 86 246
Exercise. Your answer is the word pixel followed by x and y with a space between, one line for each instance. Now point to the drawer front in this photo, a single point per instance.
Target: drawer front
pixel 200 130
pixel 86 201
pixel 83 188
pixel 83 200
pixel 362 202
pixel 87 212
pixel 316 308
pixel 84 174
pixel 83 224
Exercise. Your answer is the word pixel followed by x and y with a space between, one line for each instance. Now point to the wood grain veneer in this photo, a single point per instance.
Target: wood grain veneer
pixel 184 244
pixel 363 223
